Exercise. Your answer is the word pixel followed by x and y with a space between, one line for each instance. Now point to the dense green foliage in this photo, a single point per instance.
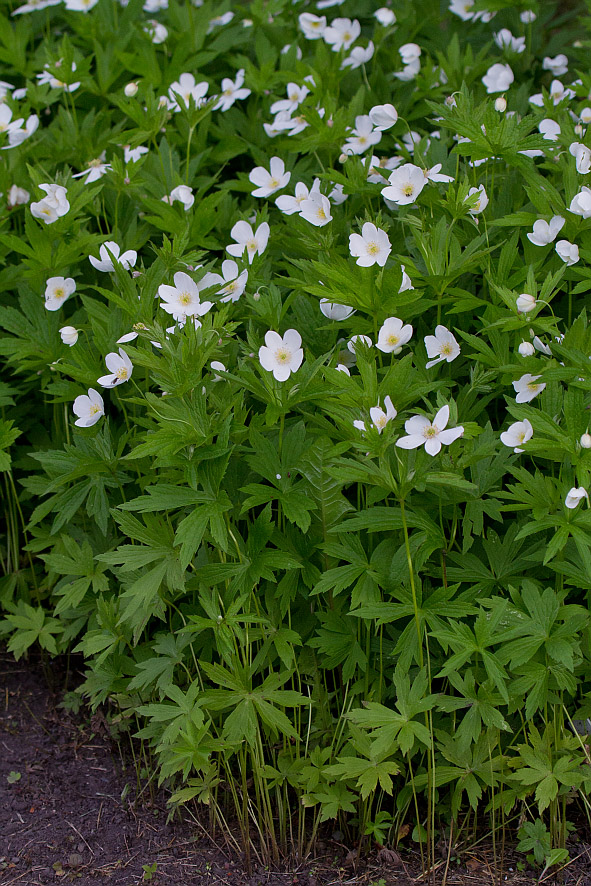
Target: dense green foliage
pixel 300 619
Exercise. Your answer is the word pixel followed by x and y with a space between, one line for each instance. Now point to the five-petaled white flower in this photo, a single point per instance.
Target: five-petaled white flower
pixel 517 434
pixel 316 209
pixel 358 56
pixel 380 418
pixel 183 300
pixel 341 33
pixel 498 78
pixel 187 89
pixel 405 184
pixel 232 90
pixel 127 260
pixel 432 435
pixel 253 241
pixel 95 169
pixel 362 137
pixel 231 283
pixel 370 247
pixel 441 346
pixel 545 232
pixel 312 26
pixel 393 335
pixel 269 181
pixel 281 356
pixel 57 290
pixel 568 252
pixel 574 496
pixel 527 387
pixel 120 367
pixel 479 200
pixel 89 409
pixel 52 207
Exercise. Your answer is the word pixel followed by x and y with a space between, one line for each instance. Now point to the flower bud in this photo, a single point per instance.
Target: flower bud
pixel 585 440
pixel 131 90
pixel 579 130
pixel 69 335
pixel 526 349
pixel 525 303
pixel 501 104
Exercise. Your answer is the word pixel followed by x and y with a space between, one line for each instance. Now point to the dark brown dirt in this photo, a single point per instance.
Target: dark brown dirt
pixel 67 814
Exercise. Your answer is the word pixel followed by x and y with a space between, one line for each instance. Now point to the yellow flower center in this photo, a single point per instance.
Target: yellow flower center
pixel 282 355
pixel 393 339
pixel 121 373
pixel 321 214
pixel 95 163
pixel 94 409
pixel 381 422
pixel 446 350
pixel 532 385
pixel 407 190
pixel 185 298
pixel 373 248
pixel 58 292
pixel 252 245
pixel 274 183
pixel 430 431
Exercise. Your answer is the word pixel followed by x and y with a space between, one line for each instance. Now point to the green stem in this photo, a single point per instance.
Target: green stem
pixel 412 583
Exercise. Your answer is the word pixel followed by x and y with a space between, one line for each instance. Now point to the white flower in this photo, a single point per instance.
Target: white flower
pixel 316 210
pixel 105 263
pixel 383 117
pixel 393 335
pixel 46 77
pixel 128 336
pixel 269 182
pixel 409 53
pixel 217 366
pixel 120 367
pixel 585 440
pixel 406 281
pixel 217 21
pixel 35 5
pixel 385 16
pixel 505 40
pixel 334 311
pixel 183 194
pixel 337 195
pixel 132 155
pixel 526 349
pixel 69 335
pixel 290 205
pixel 183 300
pixel 526 388
pixel 482 201
pixel 441 346
pixel 432 435
pixel 253 241
pixel 574 496
pixel 435 175
pixel 545 233
pixel 281 356
pixel 341 33
pixel 528 16
pixel 498 78
pixel 370 247
pixel 157 32
pixel 232 90
pixel 582 155
pixel 501 104
pixel 558 65
pixel 568 252
pixel 550 129
pixel 585 115
pixel 358 56
pixel 559 92
pixel 410 71
pixel 52 207
pixel 525 303
pixel 295 96
pixel 380 418
pixel 89 409
pixel 340 367
pixel 463 8
pixel 187 89
pixel 363 136
pixel 405 184
pixel 17 196
pixel 7 124
pixel 57 290
pixel 80 5
pixel 312 26
pixel 581 203
pixel 517 434
pixel 96 169
pixel 131 89
pixel 17 136
pixel 356 340
pixel 232 283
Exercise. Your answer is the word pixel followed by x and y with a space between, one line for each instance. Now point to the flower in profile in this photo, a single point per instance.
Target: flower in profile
pixel 183 299
pixel 383 117
pixel 335 311
pixel 52 207
pixel 57 290
pixel 290 205
pixel 156 31
pixel 549 129
pixel 132 155
pixel 17 196
pixel 525 303
pixel 574 496
pixel 581 203
pixel 120 367
pixel 47 77
pixel 96 169
pixel 527 387
pixel 558 65
pixel 111 252
pixel 380 418
pixel 568 252
pixel 545 232
pixel 405 184
pixel 393 335
pixel 498 78
pixel 479 201
pixel 430 434
pixel 231 282
pixel 89 409
pixel 370 247
pixel 441 346
pixel 582 155
pixel 316 210
pixel 232 90
pixel 435 175
pixel 406 281
pixel 358 56
pixel 359 340
pixel 183 194
pixel 269 181
pixel 517 434
pixel 281 356
pixel 69 335
pixel 505 40
pixel 253 241
pixel 385 16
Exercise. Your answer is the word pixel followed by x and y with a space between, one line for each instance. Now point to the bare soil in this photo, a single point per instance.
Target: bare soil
pixel 69 813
